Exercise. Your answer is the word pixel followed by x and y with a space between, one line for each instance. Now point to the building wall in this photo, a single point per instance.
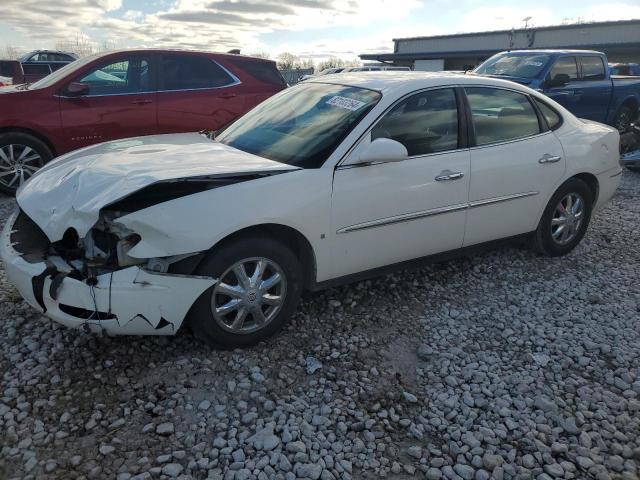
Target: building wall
pixel 574 36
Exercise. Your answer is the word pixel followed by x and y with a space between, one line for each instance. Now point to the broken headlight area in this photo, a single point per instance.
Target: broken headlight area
pixel 105 249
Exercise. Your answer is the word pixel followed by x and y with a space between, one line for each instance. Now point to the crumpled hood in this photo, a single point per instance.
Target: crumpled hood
pixel 71 190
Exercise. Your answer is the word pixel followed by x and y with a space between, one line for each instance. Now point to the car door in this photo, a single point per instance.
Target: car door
pixel 593 94
pixel 196 93
pixel 119 103
pixel 385 213
pixel 564 94
pixel 516 164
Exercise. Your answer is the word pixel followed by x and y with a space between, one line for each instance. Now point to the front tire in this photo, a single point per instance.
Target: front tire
pixel 258 289
pixel 21 155
pixel 565 219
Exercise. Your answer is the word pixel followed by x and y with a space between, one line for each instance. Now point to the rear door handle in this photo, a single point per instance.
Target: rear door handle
pixel 141 101
pixel 228 95
pixel 448 175
pixel 547 158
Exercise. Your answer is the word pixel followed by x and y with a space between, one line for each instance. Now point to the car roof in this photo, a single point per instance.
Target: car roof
pixel 401 82
pixel 179 50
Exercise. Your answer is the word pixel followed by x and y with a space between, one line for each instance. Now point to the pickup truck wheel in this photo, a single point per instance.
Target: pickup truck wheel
pixel 565 219
pixel 259 285
pixel 623 118
pixel 21 155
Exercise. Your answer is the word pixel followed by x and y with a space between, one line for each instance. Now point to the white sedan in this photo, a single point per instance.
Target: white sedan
pixel 333 180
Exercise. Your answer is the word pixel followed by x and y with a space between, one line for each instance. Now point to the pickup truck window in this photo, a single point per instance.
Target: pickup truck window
pixel 192 72
pixel 501 115
pixel 524 65
pixel 126 75
pixel 553 119
pixel 592 68
pixel 567 66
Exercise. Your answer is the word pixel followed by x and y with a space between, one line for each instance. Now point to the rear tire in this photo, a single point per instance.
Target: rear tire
pixel 565 219
pixel 239 313
pixel 21 155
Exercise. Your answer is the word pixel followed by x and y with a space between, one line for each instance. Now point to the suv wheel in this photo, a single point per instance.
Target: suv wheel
pixel 565 219
pixel 21 155
pixel 259 285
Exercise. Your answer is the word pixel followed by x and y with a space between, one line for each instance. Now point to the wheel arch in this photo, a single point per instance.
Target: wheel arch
pixel 33 133
pixel 592 182
pixel 631 101
pixel 287 235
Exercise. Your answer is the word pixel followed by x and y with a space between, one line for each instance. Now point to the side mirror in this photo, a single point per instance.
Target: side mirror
pixel 383 150
pixel 77 89
pixel 559 80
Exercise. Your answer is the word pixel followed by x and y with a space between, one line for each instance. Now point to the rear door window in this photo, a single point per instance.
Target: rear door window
pixel 501 115
pixel 265 72
pixel 592 68
pixel 567 66
pixel 192 72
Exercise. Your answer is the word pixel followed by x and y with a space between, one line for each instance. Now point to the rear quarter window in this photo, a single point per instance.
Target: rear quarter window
pixel 553 118
pixel 265 72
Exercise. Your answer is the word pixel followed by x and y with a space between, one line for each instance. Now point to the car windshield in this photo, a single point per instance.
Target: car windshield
pixel 61 73
pixel 302 125
pixel 524 65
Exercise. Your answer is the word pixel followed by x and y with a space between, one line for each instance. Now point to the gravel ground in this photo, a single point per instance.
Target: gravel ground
pixel 503 365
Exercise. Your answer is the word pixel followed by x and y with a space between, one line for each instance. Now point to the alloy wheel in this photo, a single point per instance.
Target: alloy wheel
pixel 567 219
pixel 248 295
pixel 17 164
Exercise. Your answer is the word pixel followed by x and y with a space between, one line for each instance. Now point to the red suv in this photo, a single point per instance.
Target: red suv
pixel 125 94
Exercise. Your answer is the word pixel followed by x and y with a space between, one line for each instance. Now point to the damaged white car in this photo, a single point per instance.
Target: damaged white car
pixel 332 180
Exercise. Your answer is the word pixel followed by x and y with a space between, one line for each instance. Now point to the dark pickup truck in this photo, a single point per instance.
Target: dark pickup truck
pixel 33 66
pixel 579 80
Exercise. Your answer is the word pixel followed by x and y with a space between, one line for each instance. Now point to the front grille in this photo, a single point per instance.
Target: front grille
pixel 28 239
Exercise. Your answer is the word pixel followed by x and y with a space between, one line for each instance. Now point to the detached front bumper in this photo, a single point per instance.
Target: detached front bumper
pixel 131 301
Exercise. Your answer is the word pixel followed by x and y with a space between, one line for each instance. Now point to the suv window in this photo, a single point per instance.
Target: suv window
pixel 424 123
pixel 266 72
pixel 592 68
pixel 127 75
pixel 501 115
pixel 566 65
pixel 190 72
pixel 552 117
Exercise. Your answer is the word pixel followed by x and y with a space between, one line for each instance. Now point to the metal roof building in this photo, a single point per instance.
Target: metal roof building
pixel 620 40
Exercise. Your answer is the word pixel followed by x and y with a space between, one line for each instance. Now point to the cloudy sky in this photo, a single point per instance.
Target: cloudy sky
pixel 309 28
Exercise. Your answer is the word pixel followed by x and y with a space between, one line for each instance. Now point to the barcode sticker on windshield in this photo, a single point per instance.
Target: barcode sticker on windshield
pixel 344 102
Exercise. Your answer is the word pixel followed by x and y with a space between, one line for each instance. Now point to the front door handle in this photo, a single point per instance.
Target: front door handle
pixel 228 95
pixel 141 101
pixel 547 158
pixel 449 175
